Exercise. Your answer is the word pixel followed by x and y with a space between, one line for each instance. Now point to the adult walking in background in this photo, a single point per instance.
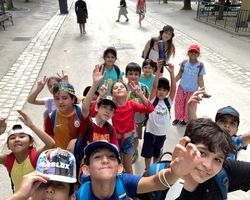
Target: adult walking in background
pixel 151 48
pixel 141 9
pixel 82 15
pixel 123 10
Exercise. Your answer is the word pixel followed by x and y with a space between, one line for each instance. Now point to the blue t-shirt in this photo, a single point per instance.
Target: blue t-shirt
pixel 111 77
pixel 189 79
pixel 148 82
pixel 130 183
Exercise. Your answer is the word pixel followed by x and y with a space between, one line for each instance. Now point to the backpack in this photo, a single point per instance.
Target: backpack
pixel 117 69
pixel 221 178
pixel 151 46
pixel 11 159
pixel 80 145
pixel 85 189
pixel 53 115
pixel 183 65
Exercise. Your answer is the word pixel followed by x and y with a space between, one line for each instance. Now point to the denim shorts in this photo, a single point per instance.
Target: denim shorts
pixel 127 148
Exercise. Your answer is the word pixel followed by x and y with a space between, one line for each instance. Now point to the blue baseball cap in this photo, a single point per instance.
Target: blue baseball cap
pixel 228 111
pixel 101 143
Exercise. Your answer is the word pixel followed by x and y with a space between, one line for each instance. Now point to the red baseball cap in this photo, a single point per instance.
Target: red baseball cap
pixel 194 47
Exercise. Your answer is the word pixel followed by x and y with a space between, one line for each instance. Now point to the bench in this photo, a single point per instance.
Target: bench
pixel 4 17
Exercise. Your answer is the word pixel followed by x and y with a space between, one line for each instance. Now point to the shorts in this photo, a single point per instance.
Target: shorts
pixel 139 131
pixel 141 11
pixel 152 145
pixel 127 148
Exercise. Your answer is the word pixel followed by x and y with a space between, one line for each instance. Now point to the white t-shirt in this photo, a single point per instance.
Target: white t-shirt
pixel 153 55
pixel 159 120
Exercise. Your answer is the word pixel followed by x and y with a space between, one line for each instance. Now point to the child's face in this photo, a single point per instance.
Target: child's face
pixel 103 165
pixel 166 35
pixel 64 102
pixel 228 122
pixel 110 59
pixel 147 69
pixel 19 142
pixel 52 190
pixel 105 112
pixel 51 85
pixel 119 90
pixel 161 93
pixel 193 55
pixel 133 76
pixel 207 166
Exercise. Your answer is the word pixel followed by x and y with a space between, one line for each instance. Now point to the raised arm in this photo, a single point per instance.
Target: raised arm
pixel 63 77
pixel 3 126
pixel 182 159
pixel 49 143
pixel 138 93
pixel 194 99
pixel 98 77
pixel 28 186
pixel 33 97
pixel 170 69
pixel 246 139
pixel 156 80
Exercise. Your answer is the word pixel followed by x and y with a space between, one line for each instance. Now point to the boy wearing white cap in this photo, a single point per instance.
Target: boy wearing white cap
pixel 23 158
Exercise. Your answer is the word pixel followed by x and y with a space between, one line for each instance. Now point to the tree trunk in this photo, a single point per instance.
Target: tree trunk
pixel 9 4
pixel 27 1
pixel 165 1
pixel 187 5
pixel 221 10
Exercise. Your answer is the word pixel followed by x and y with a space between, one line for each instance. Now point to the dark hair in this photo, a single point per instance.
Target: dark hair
pixel 71 188
pixel 106 103
pixel 164 84
pixel 148 62
pixel 117 81
pixel 57 79
pixel 87 161
pixel 207 132
pixel 133 67
pixel 86 90
pixel 111 50
pixel 169 44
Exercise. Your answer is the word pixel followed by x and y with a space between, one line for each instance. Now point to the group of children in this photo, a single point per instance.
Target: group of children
pixel 104 135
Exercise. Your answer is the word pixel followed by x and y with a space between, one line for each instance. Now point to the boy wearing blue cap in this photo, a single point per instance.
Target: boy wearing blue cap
pixel 103 166
pixel 227 117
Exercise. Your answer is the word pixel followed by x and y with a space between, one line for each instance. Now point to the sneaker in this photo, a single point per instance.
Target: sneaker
pixel 182 123
pixel 135 156
pixel 175 122
pixel 127 20
pixel 117 20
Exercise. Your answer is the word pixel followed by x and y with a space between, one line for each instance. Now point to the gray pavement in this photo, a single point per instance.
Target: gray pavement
pixel 57 45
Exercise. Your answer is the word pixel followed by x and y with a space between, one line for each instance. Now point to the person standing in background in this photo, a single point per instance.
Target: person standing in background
pixel 123 10
pixel 82 15
pixel 141 9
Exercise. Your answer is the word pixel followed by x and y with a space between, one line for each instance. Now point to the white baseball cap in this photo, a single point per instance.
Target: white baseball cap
pixel 23 129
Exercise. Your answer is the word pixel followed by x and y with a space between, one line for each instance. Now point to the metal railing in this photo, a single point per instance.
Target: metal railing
pixel 229 17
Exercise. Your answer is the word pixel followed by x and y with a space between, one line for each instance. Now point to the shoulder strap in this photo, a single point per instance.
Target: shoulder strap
pixel 223 182
pixel 201 67
pixel 33 157
pixel 117 71
pixel 182 65
pixel 167 104
pixel 110 129
pixel 9 162
pixel 78 112
pixel 120 189
pixel 152 42
pixel 53 117
pixel 155 102
pixel 84 191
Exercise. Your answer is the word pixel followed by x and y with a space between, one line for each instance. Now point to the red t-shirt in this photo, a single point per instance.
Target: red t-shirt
pixel 99 133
